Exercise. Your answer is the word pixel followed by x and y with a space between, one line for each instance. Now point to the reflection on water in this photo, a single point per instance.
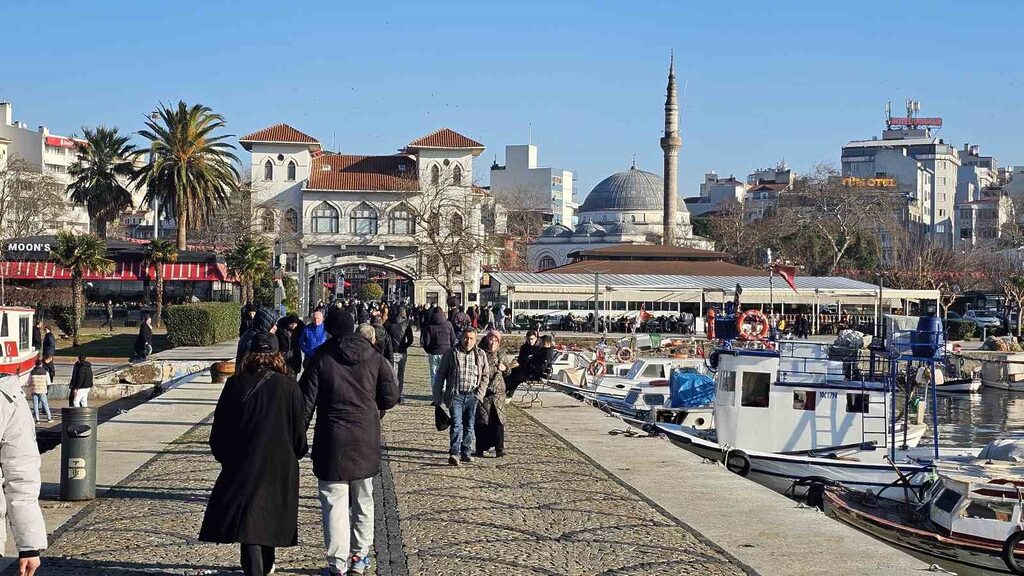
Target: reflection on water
pixel 974 419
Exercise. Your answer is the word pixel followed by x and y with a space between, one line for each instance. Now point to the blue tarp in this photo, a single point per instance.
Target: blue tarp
pixel 690 389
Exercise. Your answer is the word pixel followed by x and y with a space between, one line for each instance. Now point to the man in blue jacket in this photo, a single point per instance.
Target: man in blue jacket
pixel 313 336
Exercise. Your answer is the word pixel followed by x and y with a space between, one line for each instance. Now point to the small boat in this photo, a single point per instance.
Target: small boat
pixel 642 370
pixel 686 399
pixel 970 384
pixel 1004 372
pixel 967 521
pixel 17 351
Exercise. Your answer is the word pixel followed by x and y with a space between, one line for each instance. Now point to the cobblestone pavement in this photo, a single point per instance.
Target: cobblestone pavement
pixel 542 510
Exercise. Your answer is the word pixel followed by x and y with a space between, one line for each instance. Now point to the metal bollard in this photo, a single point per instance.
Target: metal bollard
pixel 78 454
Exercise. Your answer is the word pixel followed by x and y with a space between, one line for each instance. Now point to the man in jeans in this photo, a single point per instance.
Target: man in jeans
pixel 399 330
pixel 462 372
pixel 349 386
pixel 437 337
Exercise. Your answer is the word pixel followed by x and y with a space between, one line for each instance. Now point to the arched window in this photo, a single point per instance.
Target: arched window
pixel 291 221
pixel 291 170
pixel 546 263
pixel 457 175
pixel 458 224
pixel 435 175
pixel 434 224
pixel 268 170
pixel 401 221
pixel 363 220
pixel 325 219
pixel 267 221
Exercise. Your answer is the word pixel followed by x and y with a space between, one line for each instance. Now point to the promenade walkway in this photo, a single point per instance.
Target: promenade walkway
pixel 543 510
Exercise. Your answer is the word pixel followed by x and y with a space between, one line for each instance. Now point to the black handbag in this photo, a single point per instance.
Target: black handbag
pixel 441 419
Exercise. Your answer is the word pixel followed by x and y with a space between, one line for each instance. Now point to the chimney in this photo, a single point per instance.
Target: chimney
pixel 6 113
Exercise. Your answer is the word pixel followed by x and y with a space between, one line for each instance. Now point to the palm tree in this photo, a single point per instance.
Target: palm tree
pixel 248 260
pixel 158 253
pixel 190 171
pixel 103 163
pixel 80 254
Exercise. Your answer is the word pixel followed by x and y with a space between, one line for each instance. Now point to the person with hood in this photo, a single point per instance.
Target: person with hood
pixel 460 376
pixel 81 383
pixel 399 332
pixel 258 437
pixel 349 387
pixel 313 335
pixel 263 322
pixel 248 312
pixel 20 477
pixel 490 415
pixel 437 338
pixel 286 339
pixel 144 340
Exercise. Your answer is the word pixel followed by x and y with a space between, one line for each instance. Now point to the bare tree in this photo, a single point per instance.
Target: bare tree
pixel 522 223
pixel 928 266
pixel 30 201
pixel 1005 273
pixel 744 241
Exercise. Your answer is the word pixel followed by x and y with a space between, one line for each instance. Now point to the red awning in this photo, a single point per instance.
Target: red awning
pixel 129 271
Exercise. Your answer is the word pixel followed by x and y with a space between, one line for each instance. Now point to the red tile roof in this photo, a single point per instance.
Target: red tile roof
pixel 348 172
pixel 279 133
pixel 445 138
pixel 774 186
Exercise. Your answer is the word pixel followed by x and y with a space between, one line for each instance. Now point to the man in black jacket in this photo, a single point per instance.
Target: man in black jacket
pixel 437 338
pixel 349 386
pixel 81 384
pixel 399 332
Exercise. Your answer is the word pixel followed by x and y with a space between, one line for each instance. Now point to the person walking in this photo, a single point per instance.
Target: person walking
pixel 258 437
pixel 490 415
pixel 108 313
pixel 461 374
pixel 20 477
pixel 263 322
pixel 313 335
pixel 381 341
pixel 349 387
pixel 289 329
pixel 81 383
pixel 437 339
pixel 37 334
pixel 248 313
pixel 144 340
pixel 49 350
pixel 399 331
pixel 39 382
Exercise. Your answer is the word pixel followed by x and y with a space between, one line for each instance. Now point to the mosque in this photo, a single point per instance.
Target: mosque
pixel 629 207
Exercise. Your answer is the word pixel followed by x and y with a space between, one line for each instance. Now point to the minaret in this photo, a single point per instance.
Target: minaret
pixel 670 144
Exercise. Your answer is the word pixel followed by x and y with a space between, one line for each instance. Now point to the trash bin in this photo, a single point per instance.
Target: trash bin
pixel 78 454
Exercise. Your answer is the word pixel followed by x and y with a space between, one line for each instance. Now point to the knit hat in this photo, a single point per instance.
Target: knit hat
pixel 339 323
pixel 264 320
pixel 263 342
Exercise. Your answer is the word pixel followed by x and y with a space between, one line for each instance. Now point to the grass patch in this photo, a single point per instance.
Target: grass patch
pixel 110 346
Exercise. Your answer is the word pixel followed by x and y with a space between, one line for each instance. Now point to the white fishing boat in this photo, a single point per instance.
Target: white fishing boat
pixel 17 351
pixel 790 416
pixel 1004 372
pixel 642 370
pixel 969 521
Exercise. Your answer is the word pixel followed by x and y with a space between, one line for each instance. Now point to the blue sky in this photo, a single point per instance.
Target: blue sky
pixel 765 81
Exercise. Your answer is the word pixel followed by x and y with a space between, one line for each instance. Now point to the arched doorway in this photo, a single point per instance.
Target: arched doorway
pixel 345 277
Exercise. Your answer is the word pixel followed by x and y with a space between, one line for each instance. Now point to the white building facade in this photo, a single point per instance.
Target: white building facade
pixel 523 184
pixel 356 218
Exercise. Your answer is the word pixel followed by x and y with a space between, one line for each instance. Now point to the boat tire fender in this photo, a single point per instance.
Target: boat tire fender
pixel 713 359
pixel 624 355
pixel 737 462
pixel 1015 565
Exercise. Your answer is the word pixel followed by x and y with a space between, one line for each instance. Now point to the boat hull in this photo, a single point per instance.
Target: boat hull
pixel 965 557
pixel 784 473
pixel 960 386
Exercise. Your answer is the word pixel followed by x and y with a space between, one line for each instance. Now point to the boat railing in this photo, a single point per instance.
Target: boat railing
pixel 811 363
pixel 917 344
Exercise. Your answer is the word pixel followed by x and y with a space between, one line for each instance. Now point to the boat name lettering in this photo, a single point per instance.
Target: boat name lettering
pixel 827 394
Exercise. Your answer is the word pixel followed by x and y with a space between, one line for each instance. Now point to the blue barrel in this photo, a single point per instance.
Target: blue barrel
pixel 928 339
pixel 725 327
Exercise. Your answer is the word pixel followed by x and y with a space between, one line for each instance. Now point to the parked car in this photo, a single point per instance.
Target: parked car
pixel 983 318
pixel 953 316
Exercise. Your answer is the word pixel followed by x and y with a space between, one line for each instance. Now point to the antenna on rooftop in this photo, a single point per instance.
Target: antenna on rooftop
pixel 529 136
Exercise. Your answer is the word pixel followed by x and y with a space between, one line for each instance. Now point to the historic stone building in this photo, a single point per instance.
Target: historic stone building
pixel 342 220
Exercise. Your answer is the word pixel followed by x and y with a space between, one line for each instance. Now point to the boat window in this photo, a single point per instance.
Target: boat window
pixel 755 389
pixel 947 500
pixel 634 371
pixel 1001 511
pixel 3 325
pixel 654 399
pixel 632 396
pixel 857 404
pixel 23 334
pixel 726 381
pixel 803 400
pixel 653 371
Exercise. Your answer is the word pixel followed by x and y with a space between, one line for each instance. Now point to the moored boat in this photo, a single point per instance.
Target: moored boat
pixel 17 350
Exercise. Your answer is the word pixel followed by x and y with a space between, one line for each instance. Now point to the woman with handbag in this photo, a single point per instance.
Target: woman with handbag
pixel 490 411
pixel 258 437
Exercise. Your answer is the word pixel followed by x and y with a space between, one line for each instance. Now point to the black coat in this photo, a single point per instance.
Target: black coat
pixel 81 376
pixel 295 361
pixel 400 333
pixel 439 336
pixel 145 337
pixel 258 443
pixel 49 345
pixel 347 383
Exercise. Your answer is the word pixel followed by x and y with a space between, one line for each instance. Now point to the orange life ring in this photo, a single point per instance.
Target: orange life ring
pixel 623 354
pixel 709 325
pixel 597 368
pixel 760 322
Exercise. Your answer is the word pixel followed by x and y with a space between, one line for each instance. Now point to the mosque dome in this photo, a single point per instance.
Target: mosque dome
pixel 629 190
pixel 556 231
pixel 589 229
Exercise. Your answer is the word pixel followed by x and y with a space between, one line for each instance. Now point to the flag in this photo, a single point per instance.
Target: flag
pixel 644 314
pixel 788 274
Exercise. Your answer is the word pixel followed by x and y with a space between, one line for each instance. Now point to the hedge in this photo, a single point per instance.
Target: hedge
pixel 202 324
pixel 64 317
pixel 960 329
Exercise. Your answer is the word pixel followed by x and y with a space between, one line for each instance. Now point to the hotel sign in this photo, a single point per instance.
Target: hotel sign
pixel 854 182
pixel 913 122
pixel 27 249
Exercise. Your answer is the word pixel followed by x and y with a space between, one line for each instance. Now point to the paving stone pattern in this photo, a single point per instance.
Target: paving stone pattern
pixel 542 510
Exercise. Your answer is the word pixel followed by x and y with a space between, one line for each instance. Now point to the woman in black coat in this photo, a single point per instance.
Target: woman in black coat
pixel 258 437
